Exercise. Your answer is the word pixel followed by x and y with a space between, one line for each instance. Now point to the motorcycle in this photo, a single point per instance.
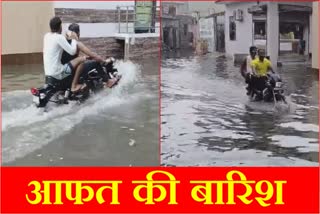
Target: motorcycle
pixel 268 89
pixel 59 91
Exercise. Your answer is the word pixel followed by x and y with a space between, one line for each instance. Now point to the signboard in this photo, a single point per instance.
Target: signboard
pixel 207 32
pixel 144 22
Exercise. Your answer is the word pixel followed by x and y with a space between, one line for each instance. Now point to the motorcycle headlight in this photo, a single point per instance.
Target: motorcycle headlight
pixel 278 84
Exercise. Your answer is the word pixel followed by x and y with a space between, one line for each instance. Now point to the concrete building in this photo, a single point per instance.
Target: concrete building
pixel 281 28
pixel 211 29
pixel 315 36
pixel 175 7
pixel 206 8
pixel 106 27
pixel 177 25
pixel 201 27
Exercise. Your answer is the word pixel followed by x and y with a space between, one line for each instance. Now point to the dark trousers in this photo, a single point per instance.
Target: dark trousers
pixel 254 82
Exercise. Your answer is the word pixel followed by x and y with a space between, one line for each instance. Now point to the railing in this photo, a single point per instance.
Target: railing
pixel 127 19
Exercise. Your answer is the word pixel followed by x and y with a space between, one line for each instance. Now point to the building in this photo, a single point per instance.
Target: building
pixel 281 28
pixel 108 28
pixel 204 24
pixel 212 30
pixel 206 8
pixel 23 27
pixel 177 25
pixel 175 7
pixel 315 36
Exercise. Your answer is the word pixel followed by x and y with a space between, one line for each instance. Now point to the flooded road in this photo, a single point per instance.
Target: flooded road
pixel 208 120
pixel 117 127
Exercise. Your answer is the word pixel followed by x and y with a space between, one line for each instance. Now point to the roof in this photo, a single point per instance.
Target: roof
pixel 224 2
pixel 232 2
pixel 215 14
pixel 173 2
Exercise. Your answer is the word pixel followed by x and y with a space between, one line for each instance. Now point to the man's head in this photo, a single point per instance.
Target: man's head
pixel 261 54
pixel 253 51
pixel 56 25
pixel 75 28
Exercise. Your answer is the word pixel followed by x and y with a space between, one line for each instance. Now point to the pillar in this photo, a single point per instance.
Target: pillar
pixel 127 48
pixel 315 36
pixel 273 32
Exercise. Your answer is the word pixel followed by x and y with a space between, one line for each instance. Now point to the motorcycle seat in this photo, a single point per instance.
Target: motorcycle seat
pixel 60 84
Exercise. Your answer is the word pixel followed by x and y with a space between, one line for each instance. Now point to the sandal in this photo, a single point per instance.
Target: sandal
pixel 115 81
pixel 83 86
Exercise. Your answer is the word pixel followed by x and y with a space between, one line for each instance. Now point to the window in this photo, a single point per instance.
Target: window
pixel 291 30
pixel 172 10
pixel 185 29
pixel 260 30
pixel 232 28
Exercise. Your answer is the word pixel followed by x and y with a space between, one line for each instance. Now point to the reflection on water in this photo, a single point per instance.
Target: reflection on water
pixel 207 118
pixel 117 127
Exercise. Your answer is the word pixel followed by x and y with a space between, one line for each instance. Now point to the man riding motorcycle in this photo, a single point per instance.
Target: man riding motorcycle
pixel 88 65
pixel 53 47
pixel 246 69
pixel 260 67
pixel 262 84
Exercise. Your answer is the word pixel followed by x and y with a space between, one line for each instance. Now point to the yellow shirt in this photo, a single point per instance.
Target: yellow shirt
pixel 249 60
pixel 261 67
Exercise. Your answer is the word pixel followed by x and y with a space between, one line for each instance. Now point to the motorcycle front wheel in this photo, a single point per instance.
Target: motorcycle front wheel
pixel 267 95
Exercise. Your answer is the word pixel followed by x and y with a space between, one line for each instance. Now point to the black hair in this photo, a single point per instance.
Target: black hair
pixel 261 51
pixel 252 48
pixel 55 24
pixel 74 28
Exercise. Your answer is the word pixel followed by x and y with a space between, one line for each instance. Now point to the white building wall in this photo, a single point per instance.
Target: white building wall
pixel 244 34
pixel 273 32
pixel 315 35
pixel 306 35
pixel 244 29
pixel 311 36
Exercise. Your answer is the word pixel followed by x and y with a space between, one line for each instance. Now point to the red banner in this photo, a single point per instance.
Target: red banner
pixel 162 189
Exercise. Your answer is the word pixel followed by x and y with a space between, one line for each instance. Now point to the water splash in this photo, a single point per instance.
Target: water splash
pixel 32 128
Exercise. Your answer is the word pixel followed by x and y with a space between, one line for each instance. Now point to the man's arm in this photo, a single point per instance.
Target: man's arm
pixel 88 52
pixel 69 48
pixel 243 67
pixel 270 67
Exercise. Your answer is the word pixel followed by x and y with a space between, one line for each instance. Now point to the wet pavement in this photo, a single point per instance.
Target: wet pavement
pixel 208 120
pixel 117 127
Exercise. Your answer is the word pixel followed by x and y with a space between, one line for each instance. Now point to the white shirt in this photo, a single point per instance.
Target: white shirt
pixel 249 68
pixel 53 46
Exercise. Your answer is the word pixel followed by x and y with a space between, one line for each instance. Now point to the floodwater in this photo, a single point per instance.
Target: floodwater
pixel 117 127
pixel 208 120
